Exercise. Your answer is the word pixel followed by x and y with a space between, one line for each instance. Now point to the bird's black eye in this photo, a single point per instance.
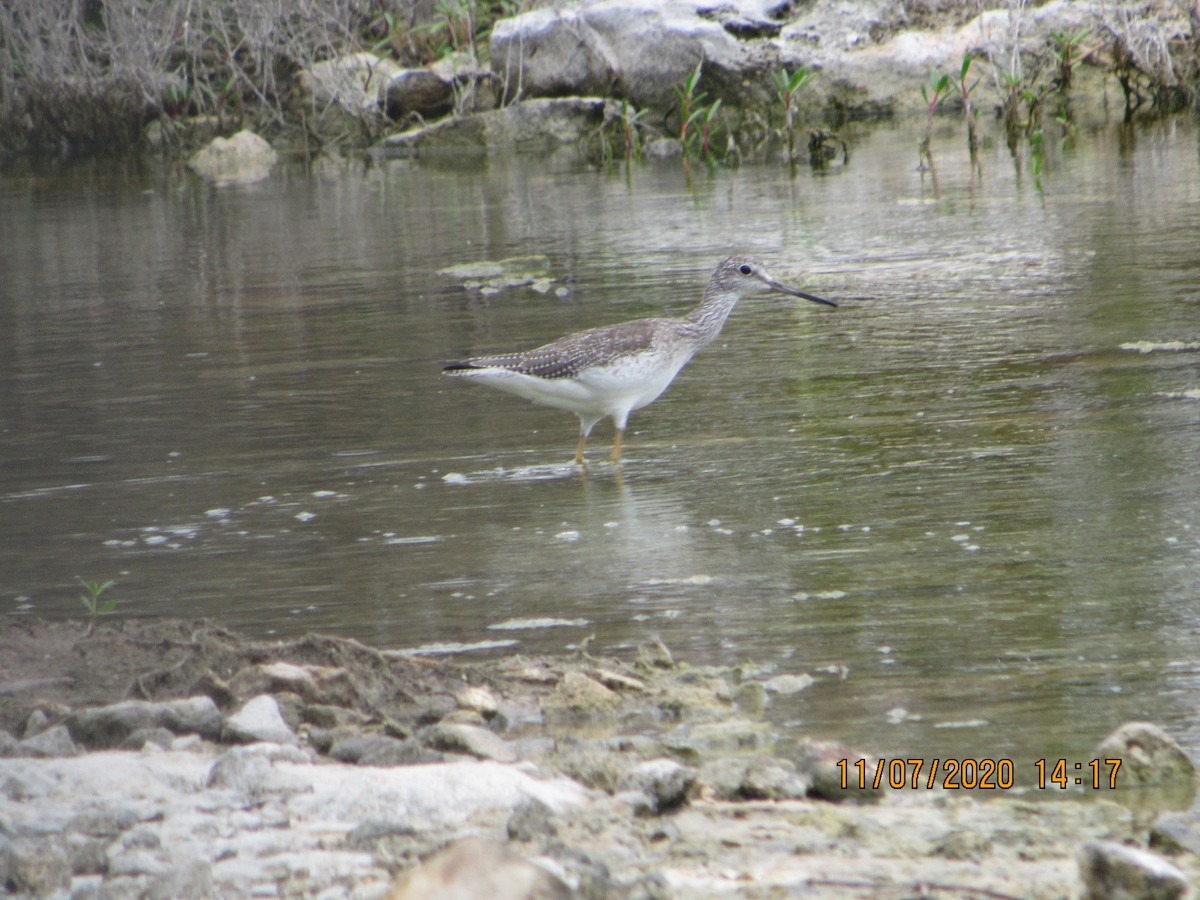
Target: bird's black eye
pixel 745 270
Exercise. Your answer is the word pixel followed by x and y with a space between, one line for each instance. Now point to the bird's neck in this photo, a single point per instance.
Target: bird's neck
pixel 709 317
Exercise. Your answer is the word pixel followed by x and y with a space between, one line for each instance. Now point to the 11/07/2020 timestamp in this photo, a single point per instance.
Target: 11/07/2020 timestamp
pixel 974 774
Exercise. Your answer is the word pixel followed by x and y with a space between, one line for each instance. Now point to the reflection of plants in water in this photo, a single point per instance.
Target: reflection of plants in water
pixel 823 147
pixel 1148 59
pixel 933 93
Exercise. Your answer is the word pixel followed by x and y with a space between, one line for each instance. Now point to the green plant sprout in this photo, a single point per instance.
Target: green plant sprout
pixel 787 87
pixel 968 112
pixel 629 129
pixel 620 131
pixel 92 603
pixel 689 99
pixel 709 125
pixel 1067 53
pixel 1037 153
pixel 698 121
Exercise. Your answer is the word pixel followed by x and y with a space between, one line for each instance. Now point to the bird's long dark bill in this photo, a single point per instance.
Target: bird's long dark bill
pixel 783 288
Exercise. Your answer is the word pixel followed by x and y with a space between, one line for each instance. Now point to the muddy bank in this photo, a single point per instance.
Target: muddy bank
pixel 180 759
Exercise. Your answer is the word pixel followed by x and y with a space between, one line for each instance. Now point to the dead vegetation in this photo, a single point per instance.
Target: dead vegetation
pixel 88 76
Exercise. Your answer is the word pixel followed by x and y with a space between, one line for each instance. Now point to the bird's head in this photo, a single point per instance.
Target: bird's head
pixel 744 275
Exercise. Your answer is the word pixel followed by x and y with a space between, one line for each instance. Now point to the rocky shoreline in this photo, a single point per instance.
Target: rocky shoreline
pixel 721 83
pixel 724 79
pixel 179 759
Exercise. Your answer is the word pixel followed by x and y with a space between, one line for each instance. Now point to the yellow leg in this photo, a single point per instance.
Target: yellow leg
pixel 617 441
pixel 579 450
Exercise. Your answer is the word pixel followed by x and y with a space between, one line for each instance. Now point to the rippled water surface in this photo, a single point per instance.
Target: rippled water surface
pixel 967 501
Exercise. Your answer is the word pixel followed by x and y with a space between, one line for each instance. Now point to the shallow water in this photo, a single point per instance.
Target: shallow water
pixel 966 501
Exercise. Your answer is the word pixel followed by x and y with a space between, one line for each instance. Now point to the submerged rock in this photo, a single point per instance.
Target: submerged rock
pixel 240 159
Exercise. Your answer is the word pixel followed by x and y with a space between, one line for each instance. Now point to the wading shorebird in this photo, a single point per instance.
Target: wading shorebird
pixel 612 370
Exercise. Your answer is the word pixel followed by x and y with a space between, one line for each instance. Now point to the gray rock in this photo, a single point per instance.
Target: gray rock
pixel 818 762
pixel 9 745
pixel 241 159
pixel 136 861
pixel 1149 756
pixel 471 739
pixel 754 778
pixel 788 684
pixel 696 742
pixel 250 771
pixel 1113 871
pixel 665 782
pixel 38 868
pixel 375 830
pixel 88 855
pixel 37 722
pixel 475 87
pixel 258 720
pixel 354 82
pixel 381 750
pixel 480 699
pixel 640 50
pixel 480 867
pixel 1177 833
pixel 750 698
pixel 107 726
pixel 530 820
pixel 191 881
pixel 104 821
pixel 418 91
pixel 17 790
pixel 328 685
pixel 577 695
pixel 333 717
pixel 875 75
pixel 531 125
pixel 55 741
pixel 654 654
pixel 157 737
